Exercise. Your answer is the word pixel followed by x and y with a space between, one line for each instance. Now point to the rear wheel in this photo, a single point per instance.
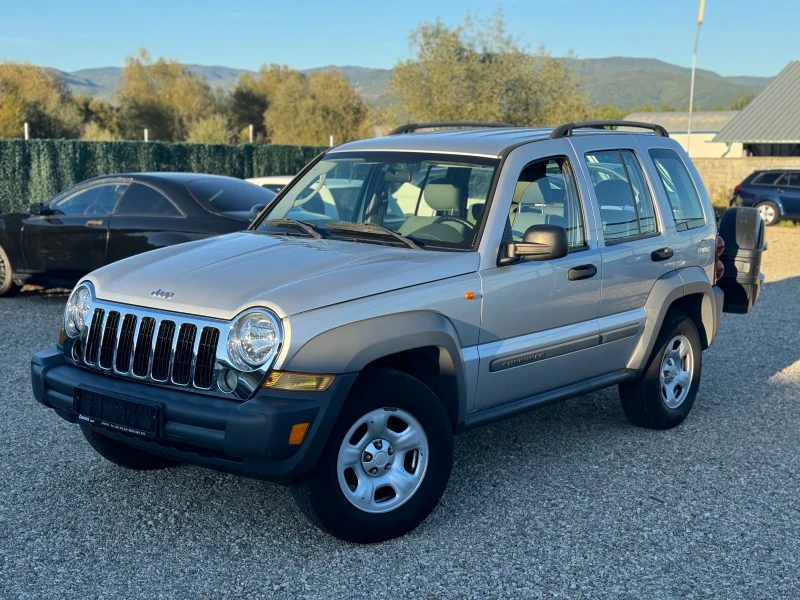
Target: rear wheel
pixel 7 285
pixel 770 212
pixel 123 455
pixel 663 397
pixel 386 463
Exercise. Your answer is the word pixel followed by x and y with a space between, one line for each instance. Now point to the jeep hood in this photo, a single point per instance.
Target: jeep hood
pixel 219 277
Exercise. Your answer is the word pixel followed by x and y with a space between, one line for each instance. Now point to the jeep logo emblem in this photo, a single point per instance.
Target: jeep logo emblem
pixel 159 293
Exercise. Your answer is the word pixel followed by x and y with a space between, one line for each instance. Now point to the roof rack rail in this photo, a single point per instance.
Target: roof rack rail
pixel 412 127
pixel 567 129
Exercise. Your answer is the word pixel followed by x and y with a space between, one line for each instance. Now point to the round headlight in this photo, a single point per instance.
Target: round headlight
pixel 77 311
pixel 254 339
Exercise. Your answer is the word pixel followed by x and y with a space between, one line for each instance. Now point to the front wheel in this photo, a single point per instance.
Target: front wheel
pixel 386 463
pixel 7 285
pixel 663 397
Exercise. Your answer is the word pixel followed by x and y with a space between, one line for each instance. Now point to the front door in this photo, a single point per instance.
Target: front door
pixel 539 328
pixel 789 194
pixel 69 239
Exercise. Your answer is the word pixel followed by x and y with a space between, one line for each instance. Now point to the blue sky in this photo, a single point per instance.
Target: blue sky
pixel 739 37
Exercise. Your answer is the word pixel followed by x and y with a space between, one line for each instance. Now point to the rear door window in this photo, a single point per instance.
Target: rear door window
pixel 624 200
pixel 768 178
pixel 687 210
pixel 791 179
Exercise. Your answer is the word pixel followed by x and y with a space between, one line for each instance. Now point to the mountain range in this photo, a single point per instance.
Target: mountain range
pixel 622 81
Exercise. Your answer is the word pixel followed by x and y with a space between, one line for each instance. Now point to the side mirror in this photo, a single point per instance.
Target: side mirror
pixel 36 209
pixel 256 210
pixel 540 242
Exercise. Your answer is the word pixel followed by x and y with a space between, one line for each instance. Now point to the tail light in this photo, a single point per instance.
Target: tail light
pixel 736 191
pixel 719 268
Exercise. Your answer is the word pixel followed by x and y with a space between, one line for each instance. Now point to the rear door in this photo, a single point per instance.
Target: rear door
pixel 539 328
pixel 789 194
pixel 636 242
pixel 70 239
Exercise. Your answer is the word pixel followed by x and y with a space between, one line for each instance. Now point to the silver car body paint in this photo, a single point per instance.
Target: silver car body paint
pixel 528 329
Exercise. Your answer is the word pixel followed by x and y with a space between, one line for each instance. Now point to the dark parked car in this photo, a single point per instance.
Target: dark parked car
pixel 108 218
pixel 774 192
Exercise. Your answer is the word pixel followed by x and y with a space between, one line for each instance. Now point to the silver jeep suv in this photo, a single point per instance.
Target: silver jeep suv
pixel 399 291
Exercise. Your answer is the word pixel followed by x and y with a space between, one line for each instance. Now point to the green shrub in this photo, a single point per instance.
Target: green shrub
pixel 35 170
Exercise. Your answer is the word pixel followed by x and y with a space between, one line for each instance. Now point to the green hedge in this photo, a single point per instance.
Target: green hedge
pixel 35 170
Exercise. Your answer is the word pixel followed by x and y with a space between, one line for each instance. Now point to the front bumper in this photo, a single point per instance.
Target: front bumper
pixel 247 438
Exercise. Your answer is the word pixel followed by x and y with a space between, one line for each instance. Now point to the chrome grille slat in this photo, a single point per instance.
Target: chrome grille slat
pixel 108 342
pixel 143 350
pixel 163 350
pixel 204 365
pixel 127 342
pixel 183 356
pixel 93 339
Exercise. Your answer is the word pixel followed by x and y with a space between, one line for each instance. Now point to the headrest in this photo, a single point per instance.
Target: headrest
pixel 475 211
pixel 532 192
pixel 538 192
pixel 613 192
pixel 441 194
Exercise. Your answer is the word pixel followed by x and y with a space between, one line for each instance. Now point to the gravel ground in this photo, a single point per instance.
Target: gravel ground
pixel 569 501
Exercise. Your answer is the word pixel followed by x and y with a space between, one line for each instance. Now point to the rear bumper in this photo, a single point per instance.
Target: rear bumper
pixel 247 438
pixel 719 304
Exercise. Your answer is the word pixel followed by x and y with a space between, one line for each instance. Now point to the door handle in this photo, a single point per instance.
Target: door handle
pixel 95 223
pixel 582 272
pixel 662 254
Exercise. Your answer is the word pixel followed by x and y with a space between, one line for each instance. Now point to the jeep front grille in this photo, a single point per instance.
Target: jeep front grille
pixel 162 350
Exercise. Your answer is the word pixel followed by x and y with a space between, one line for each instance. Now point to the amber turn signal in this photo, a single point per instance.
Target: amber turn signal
pixel 61 335
pixel 469 295
pixel 298 382
pixel 298 433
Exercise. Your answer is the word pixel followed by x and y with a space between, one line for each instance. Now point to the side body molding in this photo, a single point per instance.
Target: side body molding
pixel 352 347
pixel 667 289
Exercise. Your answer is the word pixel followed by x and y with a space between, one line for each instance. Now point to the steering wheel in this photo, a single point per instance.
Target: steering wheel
pixel 95 209
pixel 314 192
pixel 446 218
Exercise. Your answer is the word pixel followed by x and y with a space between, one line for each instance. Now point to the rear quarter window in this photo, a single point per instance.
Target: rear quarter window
pixel 687 209
pixel 229 195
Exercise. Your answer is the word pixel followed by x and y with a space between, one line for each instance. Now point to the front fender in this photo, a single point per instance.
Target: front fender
pixel 349 348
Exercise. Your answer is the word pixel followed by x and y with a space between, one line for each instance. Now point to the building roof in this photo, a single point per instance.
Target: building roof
pixel 489 143
pixel 773 117
pixel 703 121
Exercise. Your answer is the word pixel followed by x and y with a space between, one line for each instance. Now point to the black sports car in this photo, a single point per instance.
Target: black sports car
pixel 108 218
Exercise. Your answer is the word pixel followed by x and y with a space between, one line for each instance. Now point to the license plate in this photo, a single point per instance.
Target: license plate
pixel 125 416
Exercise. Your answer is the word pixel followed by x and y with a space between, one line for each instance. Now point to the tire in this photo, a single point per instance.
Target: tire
pixel 770 212
pixel 123 455
pixel 380 403
pixel 7 285
pixel 648 402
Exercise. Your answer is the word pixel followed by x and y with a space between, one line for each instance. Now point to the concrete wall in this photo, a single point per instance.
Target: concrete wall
pixel 721 175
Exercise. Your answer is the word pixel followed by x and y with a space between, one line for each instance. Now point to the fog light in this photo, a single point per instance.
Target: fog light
pixel 298 382
pixel 228 381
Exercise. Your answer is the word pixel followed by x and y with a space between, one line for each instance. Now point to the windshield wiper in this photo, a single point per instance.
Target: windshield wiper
pixel 373 229
pixel 307 228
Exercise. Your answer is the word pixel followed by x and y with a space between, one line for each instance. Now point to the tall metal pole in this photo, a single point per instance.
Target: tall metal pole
pixel 700 10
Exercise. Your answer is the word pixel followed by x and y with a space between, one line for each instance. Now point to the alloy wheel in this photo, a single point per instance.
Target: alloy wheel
pixel 767 213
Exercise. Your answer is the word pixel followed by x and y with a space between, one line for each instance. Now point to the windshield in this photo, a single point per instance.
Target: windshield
pixel 434 200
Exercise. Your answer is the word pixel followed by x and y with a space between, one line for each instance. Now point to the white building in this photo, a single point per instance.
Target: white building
pixel 706 124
